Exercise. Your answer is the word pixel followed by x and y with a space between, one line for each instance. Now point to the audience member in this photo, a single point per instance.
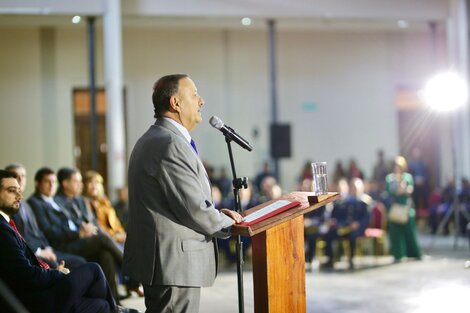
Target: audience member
pixel 67 233
pixel 101 206
pixel 338 173
pixel 28 227
pixel 270 189
pixel 210 173
pixel 379 171
pixel 464 200
pixel 354 171
pixel 40 288
pixel 122 206
pixel 224 183
pixel 399 186
pixel 419 171
pixel 306 172
pixel 247 201
pixel 69 197
pixel 439 206
pixel 314 226
pixel 107 219
pixel 265 172
pixel 349 219
pixel 216 197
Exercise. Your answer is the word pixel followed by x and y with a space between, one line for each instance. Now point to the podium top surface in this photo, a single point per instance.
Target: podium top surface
pixel 308 202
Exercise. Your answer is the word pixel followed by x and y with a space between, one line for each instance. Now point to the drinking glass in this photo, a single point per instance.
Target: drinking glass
pixel 320 183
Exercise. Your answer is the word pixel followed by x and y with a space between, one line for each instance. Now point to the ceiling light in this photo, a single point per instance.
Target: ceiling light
pixel 402 24
pixel 76 19
pixel 246 21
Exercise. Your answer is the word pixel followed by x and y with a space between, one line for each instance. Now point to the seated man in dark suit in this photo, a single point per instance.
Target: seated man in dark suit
pixel 40 288
pixel 349 219
pixel 314 228
pixel 28 227
pixel 69 197
pixel 67 233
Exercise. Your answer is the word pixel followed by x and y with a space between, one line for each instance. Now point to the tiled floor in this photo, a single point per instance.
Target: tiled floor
pixel 438 283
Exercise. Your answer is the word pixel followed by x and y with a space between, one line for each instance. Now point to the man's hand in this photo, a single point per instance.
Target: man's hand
pixel 87 230
pixel 47 254
pixel 233 215
pixel 355 225
pixel 61 268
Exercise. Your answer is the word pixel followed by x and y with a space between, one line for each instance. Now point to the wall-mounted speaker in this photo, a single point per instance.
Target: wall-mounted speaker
pixel 280 141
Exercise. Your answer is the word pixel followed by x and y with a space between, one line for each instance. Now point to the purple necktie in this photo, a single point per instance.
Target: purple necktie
pixel 193 144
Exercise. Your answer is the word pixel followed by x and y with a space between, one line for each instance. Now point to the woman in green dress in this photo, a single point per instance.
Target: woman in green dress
pixel 399 186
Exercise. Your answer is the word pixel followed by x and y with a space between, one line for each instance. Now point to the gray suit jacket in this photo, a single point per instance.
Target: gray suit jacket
pixel 172 221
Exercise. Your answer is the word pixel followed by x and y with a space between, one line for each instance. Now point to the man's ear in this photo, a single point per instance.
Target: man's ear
pixel 174 104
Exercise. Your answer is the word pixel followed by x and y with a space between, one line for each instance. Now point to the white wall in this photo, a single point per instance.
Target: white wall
pixel 349 76
pixel 20 98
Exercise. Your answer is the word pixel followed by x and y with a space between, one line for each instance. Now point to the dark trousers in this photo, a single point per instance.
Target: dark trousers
pixel 333 235
pixel 87 291
pixel 83 290
pixel 311 246
pixel 101 249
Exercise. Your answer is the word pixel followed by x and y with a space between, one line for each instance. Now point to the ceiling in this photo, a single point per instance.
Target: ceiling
pixel 289 14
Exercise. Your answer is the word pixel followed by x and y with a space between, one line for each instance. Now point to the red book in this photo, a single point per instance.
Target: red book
pixel 268 211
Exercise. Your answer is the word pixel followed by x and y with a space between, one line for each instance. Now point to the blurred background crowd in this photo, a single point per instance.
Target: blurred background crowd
pixel 69 212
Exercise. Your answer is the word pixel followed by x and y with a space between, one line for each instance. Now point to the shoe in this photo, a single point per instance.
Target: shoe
pixel 351 265
pixel 308 267
pixel 137 290
pixel 121 309
pixel 328 266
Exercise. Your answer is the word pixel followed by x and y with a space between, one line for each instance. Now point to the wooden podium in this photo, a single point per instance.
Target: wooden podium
pixel 278 254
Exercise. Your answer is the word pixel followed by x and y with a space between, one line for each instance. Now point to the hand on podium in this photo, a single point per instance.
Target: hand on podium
pixel 233 215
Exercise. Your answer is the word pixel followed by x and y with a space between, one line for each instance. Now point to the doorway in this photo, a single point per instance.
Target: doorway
pixel 82 121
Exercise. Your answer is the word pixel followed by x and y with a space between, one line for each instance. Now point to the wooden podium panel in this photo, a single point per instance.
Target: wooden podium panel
pixel 279 268
pixel 278 254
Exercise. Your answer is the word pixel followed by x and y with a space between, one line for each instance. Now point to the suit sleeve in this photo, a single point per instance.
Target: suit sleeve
pixel 180 181
pixel 17 267
pixel 55 232
pixel 32 240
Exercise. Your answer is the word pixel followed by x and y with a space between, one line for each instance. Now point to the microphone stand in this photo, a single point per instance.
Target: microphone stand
pixel 238 183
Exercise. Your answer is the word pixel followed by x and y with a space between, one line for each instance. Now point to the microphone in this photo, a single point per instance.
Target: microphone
pixel 229 132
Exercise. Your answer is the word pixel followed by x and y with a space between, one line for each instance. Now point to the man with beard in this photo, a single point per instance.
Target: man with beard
pixel 40 288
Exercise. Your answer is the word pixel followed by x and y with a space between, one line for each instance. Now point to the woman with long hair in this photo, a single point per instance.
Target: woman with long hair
pixel 102 208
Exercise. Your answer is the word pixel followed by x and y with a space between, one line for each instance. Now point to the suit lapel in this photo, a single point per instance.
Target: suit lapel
pixel 165 124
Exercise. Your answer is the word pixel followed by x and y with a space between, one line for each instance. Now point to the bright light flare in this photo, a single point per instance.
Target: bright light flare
pixel 445 92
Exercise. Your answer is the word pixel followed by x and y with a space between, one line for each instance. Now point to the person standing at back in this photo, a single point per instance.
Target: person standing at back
pixel 171 247
pixel 403 235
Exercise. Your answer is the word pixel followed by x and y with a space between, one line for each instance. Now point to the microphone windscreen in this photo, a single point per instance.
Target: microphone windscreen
pixel 216 122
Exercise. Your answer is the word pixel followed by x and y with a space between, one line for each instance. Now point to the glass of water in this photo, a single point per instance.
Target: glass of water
pixel 320 183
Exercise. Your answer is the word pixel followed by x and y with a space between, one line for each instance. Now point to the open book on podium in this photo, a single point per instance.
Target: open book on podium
pixel 276 229
pixel 273 212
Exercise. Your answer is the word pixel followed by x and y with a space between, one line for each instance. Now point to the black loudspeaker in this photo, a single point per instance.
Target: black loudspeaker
pixel 280 141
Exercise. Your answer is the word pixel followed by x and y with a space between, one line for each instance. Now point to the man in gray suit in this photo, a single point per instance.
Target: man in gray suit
pixel 170 246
